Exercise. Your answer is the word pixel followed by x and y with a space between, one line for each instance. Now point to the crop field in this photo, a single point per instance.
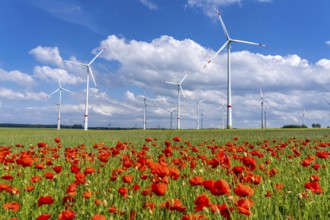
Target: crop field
pixel 186 174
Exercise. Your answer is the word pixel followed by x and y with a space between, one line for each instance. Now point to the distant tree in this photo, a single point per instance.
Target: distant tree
pixel 294 126
pixel 316 126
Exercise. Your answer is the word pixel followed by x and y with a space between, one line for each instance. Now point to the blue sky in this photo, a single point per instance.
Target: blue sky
pixel 151 40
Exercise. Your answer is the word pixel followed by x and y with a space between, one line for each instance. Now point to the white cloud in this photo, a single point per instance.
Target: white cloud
pixel 16 76
pixel 10 94
pixel 149 4
pixel 48 55
pixel 51 75
pixel 328 42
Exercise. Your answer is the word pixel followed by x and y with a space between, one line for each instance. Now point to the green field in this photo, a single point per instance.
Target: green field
pixel 288 174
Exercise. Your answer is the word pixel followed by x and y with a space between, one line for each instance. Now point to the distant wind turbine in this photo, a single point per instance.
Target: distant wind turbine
pixel 59 90
pixel 262 101
pixel 198 102
pixel 89 73
pixel 222 107
pixel 179 91
pixel 227 44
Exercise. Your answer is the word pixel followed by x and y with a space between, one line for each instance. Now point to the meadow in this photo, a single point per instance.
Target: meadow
pixel 161 174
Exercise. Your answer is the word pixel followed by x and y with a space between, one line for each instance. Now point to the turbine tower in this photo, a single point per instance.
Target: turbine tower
pixel 223 113
pixel 59 90
pixel 227 44
pixel 179 91
pixel 198 102
pixel 89 73
pixel 262 110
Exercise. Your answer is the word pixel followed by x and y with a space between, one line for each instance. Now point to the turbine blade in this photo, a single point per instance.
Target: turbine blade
pixel 262 95
pixel 182 91
pixel 223 25
pixel 248 42
pixel 54 92
pixel 173 83
pixel 216 54
pixel 67 90
pixel 91 73
pixel 95 57
pixel 59 80
pixel 184 78
pixel 326 100
pixel 78 63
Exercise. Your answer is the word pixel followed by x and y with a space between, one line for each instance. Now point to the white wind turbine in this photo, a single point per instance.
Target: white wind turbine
pixel 89 73
pixel 59 90
pixel 179 91
pixel 227 44
pixel 262 100
pixel 198 102
pixel 223 113
pixel 326 100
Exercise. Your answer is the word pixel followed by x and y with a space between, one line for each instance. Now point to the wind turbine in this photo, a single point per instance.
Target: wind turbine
pixel 223 112
pixel 89 73
pixel 198 102
pixel 59 90
pixel 227 44
pixel 145 109
pixel 179 91
pixel 327 102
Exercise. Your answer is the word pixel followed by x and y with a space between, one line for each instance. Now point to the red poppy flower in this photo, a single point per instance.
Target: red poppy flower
pixel 220 187
pixel 7 177
pixel 194 217
pixel 57 140
pixel 74 169
pixel 174 173
pixel 89 170
pixel 244 206
pixel 42 144
pixel 159 188
pixel 87 194
pixel 39 166
pixel 196 181
pixel 176 139
pixel 174 204
pixel 44 217
pixel 148 139
pixel 67 215
pixel 49 175
pixel 45 200
pixel 201 202
pixel 322 154
pixel 127 179
pixel 98 217
pixel 35 179
pixel 315 187
pixel 208 184
pixel 28 188
pixel 57 169
pixel 14 206
pixel 149 205
pixel 123 191
pixel 243 190
pixel 249 162
pixel 224 210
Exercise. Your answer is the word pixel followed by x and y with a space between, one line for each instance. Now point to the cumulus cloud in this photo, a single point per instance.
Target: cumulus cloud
pixel 328 42
pixel 286 80
pixel 51 75
pixel 149 4
pixel 6 93
pixel 48 55
pixel 16 76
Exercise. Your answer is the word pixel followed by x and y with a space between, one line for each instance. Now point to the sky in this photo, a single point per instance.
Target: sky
pixel 148 41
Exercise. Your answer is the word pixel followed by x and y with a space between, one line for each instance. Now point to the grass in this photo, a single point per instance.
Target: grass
pixel 197 146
